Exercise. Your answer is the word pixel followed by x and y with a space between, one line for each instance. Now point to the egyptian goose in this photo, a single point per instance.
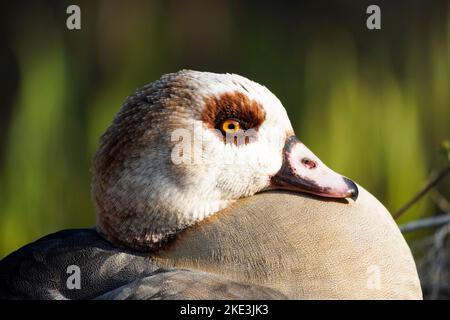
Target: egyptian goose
pixel 186 186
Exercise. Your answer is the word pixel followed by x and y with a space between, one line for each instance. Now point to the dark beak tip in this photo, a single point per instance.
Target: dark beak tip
pixel 353 189
pixel 354 194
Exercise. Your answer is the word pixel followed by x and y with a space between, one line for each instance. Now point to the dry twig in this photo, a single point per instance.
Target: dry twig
pixel 436 221
pixel 434 180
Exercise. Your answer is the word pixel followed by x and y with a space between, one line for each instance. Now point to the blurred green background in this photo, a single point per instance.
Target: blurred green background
pixel 373 105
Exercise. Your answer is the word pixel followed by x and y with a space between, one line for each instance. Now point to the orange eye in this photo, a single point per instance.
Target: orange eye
pixel 230 126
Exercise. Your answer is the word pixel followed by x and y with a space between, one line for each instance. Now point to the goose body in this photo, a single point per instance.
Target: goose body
pixel 270 246
pixel 303 247
pixel 211 229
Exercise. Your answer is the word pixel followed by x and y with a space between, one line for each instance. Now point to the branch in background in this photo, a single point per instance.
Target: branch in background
pixel 425 223
pixel 440 201
pixel 434 180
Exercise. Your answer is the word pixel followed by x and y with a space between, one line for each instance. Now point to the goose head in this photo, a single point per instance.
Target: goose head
pixel 187 146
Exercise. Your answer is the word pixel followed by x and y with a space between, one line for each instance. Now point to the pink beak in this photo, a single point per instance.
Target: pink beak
pixel 303 171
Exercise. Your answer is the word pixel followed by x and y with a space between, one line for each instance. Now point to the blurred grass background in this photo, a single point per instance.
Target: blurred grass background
pixel 373 105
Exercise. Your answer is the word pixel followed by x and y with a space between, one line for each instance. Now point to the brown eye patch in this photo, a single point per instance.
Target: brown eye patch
pixel 233 105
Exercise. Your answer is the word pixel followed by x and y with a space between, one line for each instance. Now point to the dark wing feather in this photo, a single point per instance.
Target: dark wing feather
pixel 39 271
pixel 176 284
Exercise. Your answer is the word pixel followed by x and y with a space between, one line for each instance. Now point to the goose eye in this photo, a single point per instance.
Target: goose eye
pixel 230 126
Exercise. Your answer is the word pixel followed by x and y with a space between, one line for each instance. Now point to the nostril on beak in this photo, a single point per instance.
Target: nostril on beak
pixel 308 163
pixel 353 189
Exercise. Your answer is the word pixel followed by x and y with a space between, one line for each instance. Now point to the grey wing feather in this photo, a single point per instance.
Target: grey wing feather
pixel 177 284
pixel 39 270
